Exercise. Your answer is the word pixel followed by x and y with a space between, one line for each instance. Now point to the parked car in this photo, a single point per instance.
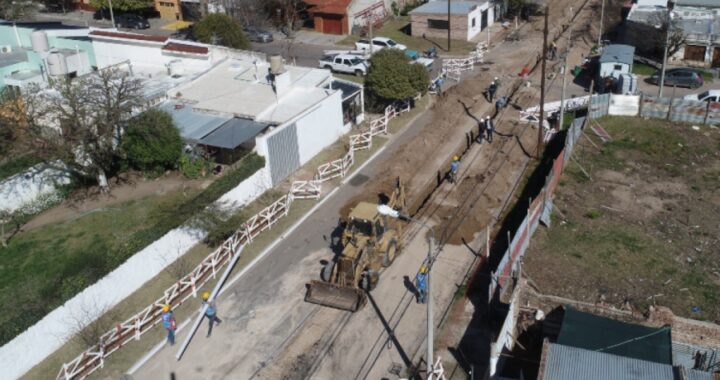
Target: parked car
pixel 131 21
pixel 345 63
pixel 258 35
pixel 707 96
pixel 102 14
pixel 679 77
pixel 379 43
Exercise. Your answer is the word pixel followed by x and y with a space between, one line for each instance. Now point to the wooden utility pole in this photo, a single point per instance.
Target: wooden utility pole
pixel 561 120
pixel 448 25
pixel 542 85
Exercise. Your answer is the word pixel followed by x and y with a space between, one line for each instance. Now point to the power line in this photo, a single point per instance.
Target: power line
pixel 634 339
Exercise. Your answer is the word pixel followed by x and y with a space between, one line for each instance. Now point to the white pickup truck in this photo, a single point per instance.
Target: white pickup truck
pixel 379 43
pixel 344 63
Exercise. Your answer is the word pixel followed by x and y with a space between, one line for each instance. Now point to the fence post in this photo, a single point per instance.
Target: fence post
pixel 707 112
pixel 640 106
pixel 669 114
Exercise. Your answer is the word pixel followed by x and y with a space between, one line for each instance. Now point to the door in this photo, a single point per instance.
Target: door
pixel 716 58
pixel 332 24
pixel 694 53
pixel 484 20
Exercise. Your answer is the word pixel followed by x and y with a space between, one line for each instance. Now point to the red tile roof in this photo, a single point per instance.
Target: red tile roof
pixel 184 48
pixel 328 6
pixel 128 36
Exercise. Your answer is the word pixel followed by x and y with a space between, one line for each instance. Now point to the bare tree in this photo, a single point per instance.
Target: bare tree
pixel 16 10
pixel 675 39
pixel 88 329
pixel 78 122
pixel 289 13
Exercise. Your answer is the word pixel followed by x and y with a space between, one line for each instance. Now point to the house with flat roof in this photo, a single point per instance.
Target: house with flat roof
pixel 467 19
pixel 35 52
pixel 287 114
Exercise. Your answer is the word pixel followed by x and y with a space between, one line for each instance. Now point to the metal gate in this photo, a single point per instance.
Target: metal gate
pixel 599 105
pixel 283 153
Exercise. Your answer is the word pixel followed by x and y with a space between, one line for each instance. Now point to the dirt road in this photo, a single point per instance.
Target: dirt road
pixel 269 332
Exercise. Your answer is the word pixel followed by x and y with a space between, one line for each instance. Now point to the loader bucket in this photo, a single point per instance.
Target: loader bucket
pixel 332 295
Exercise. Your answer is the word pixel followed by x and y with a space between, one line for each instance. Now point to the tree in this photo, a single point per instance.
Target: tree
pixel 288 12
pixel 124 5
pixel 152 143
pixel 675 39
pixel 221 29
pixel 78 123
pixel 16 10
pixel 392 77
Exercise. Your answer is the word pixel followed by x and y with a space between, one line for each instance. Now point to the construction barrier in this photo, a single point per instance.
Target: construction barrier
pixel 133 328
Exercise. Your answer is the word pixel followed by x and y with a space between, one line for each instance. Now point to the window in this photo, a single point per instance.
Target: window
pixel 379 43
pixel 617 67
pixel 338 60
pixel 379 229
pixel 437 24
pixel 473 22
pixel 347 62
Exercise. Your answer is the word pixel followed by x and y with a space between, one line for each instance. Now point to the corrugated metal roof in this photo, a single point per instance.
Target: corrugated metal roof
pixel 456 7
pixel 618 53
pixel 699 3
pixel 193 125
pixel 233 133
pixel 571 363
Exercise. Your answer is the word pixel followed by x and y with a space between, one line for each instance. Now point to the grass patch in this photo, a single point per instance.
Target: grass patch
pixel 643 69
pixel 49 265
pixel 14 166
pixel 351 78
pixel 399 30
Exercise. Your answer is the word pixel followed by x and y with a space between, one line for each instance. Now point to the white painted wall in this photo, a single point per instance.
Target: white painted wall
pixel 477 15
pixel 321 127
pixel 608 69
pixel 144 54
pixel 58 327
pixel 30 186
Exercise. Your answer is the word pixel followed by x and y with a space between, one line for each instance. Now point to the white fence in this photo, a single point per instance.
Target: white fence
pixel 133 328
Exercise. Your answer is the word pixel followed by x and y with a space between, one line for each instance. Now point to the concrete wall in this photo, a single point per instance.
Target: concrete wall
pixel 608 69
pixel 321 127
pixel 144 54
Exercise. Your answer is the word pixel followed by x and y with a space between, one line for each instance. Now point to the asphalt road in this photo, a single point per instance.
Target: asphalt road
pixel 299 53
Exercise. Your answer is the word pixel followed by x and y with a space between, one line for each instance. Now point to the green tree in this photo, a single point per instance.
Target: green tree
pixel 16 10
pixel 392 76
pixel 152 143
pixel 221 29
pixel 124 5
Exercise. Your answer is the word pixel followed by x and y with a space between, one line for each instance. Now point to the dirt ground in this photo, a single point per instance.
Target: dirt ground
pixel 643 229
pixel 135 187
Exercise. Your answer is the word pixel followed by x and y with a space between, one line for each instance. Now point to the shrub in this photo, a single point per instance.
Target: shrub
pixel 221 29
pixel 392 77
pixel 193 168
pixel 152 143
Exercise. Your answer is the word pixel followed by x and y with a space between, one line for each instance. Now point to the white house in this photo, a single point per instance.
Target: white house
pixel 467 19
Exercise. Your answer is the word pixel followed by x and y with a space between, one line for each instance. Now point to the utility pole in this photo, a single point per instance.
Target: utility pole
pixel 602 16
pixel 565 70
pixel 370 21
pixel 448 25
pixel 112 15
pixel 430 321
pixel 542 85
pixel 670 6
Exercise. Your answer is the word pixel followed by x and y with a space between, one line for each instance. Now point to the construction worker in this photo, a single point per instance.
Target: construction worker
pixel 481 130
pixel 497 83
pixel 168 320
pixel 210 312
pixel 500 104
pixel 454 166
pixel 491 91
pixel 489 129
pixel 421 284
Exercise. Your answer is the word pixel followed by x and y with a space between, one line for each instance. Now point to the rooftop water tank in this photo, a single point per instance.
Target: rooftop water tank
pixel 39 41
pixel 56 64
pixel 276 64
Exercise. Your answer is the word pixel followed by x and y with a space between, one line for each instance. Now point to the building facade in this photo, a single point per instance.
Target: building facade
pixel 467 19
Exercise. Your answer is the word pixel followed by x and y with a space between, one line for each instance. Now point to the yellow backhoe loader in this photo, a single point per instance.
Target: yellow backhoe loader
pixel 370 241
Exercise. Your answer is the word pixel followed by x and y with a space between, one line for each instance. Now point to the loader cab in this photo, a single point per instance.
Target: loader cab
pixel 365 220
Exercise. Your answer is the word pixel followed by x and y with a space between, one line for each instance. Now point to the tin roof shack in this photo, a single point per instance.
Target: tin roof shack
pixel 614 61
pixel 467 19
pixel 560 338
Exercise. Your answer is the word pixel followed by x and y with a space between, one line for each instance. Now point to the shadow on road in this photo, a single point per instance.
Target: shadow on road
pixel 391 333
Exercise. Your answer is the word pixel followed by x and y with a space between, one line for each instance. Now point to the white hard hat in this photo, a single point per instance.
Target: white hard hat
pixel 496 78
